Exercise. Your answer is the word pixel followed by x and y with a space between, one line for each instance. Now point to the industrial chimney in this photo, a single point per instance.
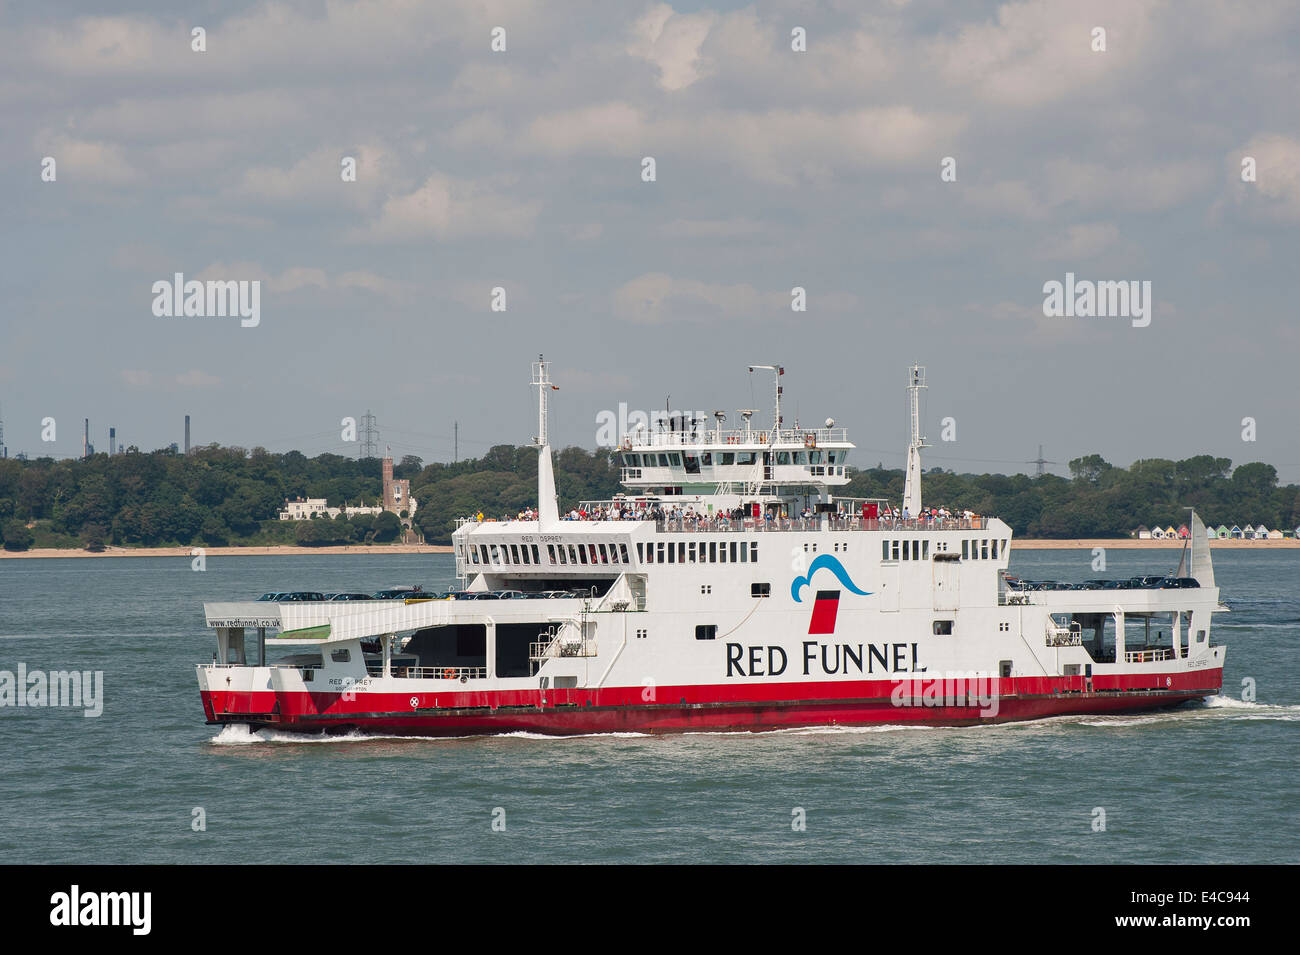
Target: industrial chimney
pixel 187 434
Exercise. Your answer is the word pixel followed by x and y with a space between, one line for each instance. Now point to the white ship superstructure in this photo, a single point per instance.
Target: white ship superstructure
pixel 728 587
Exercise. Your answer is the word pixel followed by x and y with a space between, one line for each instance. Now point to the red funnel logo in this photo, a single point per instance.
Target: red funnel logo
pixel 825 609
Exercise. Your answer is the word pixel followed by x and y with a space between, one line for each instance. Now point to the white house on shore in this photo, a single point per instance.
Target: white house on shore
pixel 308 508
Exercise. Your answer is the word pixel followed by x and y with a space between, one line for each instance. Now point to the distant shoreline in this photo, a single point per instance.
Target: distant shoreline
pixel 1117 543
pixel 271 550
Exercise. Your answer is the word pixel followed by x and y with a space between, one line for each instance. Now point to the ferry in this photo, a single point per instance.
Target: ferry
pixel 727 588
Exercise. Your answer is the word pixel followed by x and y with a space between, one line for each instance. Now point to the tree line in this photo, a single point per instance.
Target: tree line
pixel 226 495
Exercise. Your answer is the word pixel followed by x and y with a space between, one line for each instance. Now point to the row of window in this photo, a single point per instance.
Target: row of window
pixel 556 554
pixel 661 552
pixel 919 549
pixel 698 552
pixel 693 462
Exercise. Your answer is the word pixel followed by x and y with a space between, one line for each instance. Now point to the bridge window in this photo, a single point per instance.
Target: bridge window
pixel 537 557
pixel 760 590
pixel 801 457
pixel 744 457
pixel 728 457
pixel 993 549
pixel 675 460
pixel 707 631
pixel 514 553
pixel 783 457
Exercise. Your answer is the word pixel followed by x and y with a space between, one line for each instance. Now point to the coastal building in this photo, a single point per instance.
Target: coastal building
pixel 312 507
pixel 1222 532
pixel 1144 533
pixel 1183 532
pixel 1236 533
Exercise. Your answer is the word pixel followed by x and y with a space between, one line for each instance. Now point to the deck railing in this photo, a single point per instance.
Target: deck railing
pixel 430 673
pixel 1149 656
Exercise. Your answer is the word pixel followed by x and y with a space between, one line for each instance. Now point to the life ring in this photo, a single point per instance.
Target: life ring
pixel 449 673
pixel 810 441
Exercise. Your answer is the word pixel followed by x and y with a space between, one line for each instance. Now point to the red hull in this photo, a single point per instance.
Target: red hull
pixel 693 708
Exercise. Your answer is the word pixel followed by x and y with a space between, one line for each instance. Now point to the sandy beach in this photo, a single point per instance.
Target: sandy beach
pixel 1119 543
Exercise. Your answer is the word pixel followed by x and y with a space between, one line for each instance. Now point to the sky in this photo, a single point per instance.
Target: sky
pixel 774 169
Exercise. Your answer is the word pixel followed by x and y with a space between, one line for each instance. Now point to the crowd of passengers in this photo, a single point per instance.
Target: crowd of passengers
pixel 688 516
pixel 409 594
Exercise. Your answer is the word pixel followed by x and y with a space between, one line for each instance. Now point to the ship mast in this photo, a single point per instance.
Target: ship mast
pixel 777 372
pixel 912 485
pixel 548 508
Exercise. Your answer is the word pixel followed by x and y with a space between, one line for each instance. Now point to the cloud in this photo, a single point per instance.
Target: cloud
pixel 80 160
pixel 655 297
pixel 671 42
pixel 1275 194
pixel 1081 241
pixel 448 208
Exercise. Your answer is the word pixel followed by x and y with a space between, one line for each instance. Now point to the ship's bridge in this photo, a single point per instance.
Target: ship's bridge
pixel 741 460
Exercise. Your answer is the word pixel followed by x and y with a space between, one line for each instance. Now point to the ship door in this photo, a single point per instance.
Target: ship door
pixel 767 465
pixel 947 583
pixel 890 581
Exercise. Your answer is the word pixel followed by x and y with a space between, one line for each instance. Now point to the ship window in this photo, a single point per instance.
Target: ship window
pixel 965 550
pixel 1004 546
pixel 663 460
pixel 681 552
pixel 672 553
pixel 893 546
pixel 473 555
pixel 706 458
pixel 744 552
pixel 728 457
pixel 925 550
pixel 690 552
pixel 582 553
pixel 550 553
pixel 640 553
pixel 830 457
pixel 675 459
pixel 884 550
pixel 1200 636
pixel 573 554
pixel 537 555
pixel 706 631
pixel 753 552
pixel 713 552
pixel 622 549
pixel 563 559
pixel 984 550
pixel 1004 668
pixel 660 558
pixel 801 457
pixel 722 553
pixel 744 457
pixel 814 457
pixel 604 555
pixel 783 457
pixel 942 628
pixel 483 552
pixel 993 549
pixel 341 656
pixel 916 550
pixel 733 552
pixel 760 590
pixel 907 551
pixel 514 554
pixel 692 464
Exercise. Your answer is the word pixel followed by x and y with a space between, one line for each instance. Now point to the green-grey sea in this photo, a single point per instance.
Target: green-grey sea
pixel 1216 782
